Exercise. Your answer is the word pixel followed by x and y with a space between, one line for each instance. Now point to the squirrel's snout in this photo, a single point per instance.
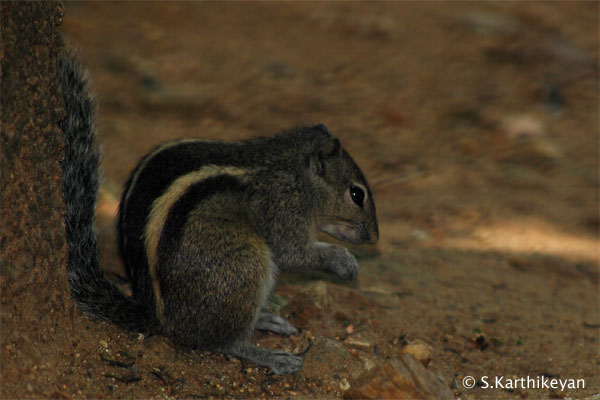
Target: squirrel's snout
pixel 373 238
pixel 373 233
pixel 369 235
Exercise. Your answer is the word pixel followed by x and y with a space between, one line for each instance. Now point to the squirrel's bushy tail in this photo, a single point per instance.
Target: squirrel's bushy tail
pixel 90 289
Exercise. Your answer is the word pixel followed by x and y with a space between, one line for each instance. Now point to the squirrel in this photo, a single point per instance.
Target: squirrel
pixel 204 228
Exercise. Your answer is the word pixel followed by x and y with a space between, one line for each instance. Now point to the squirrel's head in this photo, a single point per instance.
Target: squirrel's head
pixel 346 210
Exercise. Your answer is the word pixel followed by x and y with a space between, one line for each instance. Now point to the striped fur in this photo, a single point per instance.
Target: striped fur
pixel 160 211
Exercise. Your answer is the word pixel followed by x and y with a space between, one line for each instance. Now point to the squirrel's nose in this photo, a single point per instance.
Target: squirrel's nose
pixel 373 233
pixel 373 240
pixel 371 236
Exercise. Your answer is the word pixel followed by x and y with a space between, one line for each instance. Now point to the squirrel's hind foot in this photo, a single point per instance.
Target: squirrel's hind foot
pixel 281 362
pixel 274 323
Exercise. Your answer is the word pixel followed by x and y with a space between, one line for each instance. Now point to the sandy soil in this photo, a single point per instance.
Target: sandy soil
pixel 477 126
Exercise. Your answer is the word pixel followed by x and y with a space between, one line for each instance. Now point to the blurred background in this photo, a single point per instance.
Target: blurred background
pixel 476 124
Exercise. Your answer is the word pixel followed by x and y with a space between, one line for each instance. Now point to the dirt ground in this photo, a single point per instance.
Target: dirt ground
pixel 477 126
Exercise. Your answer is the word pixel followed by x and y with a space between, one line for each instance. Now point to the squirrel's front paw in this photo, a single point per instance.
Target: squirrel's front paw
pixel 344 264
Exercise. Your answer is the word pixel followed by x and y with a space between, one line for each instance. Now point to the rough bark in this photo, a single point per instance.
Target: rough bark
pixel 32 238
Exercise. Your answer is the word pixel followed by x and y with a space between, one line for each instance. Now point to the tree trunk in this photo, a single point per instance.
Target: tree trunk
pixel 34 290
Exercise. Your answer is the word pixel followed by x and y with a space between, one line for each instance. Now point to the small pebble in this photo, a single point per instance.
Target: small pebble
pixel 344 384
pixel 523 126
pixel 420 350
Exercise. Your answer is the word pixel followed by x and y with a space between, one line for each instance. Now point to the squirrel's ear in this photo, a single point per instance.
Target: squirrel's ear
pixel 323 128
pixel 330 147
pixel 327 149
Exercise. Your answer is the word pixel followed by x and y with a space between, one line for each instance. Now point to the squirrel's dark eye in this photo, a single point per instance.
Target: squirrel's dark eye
pixel 357 195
